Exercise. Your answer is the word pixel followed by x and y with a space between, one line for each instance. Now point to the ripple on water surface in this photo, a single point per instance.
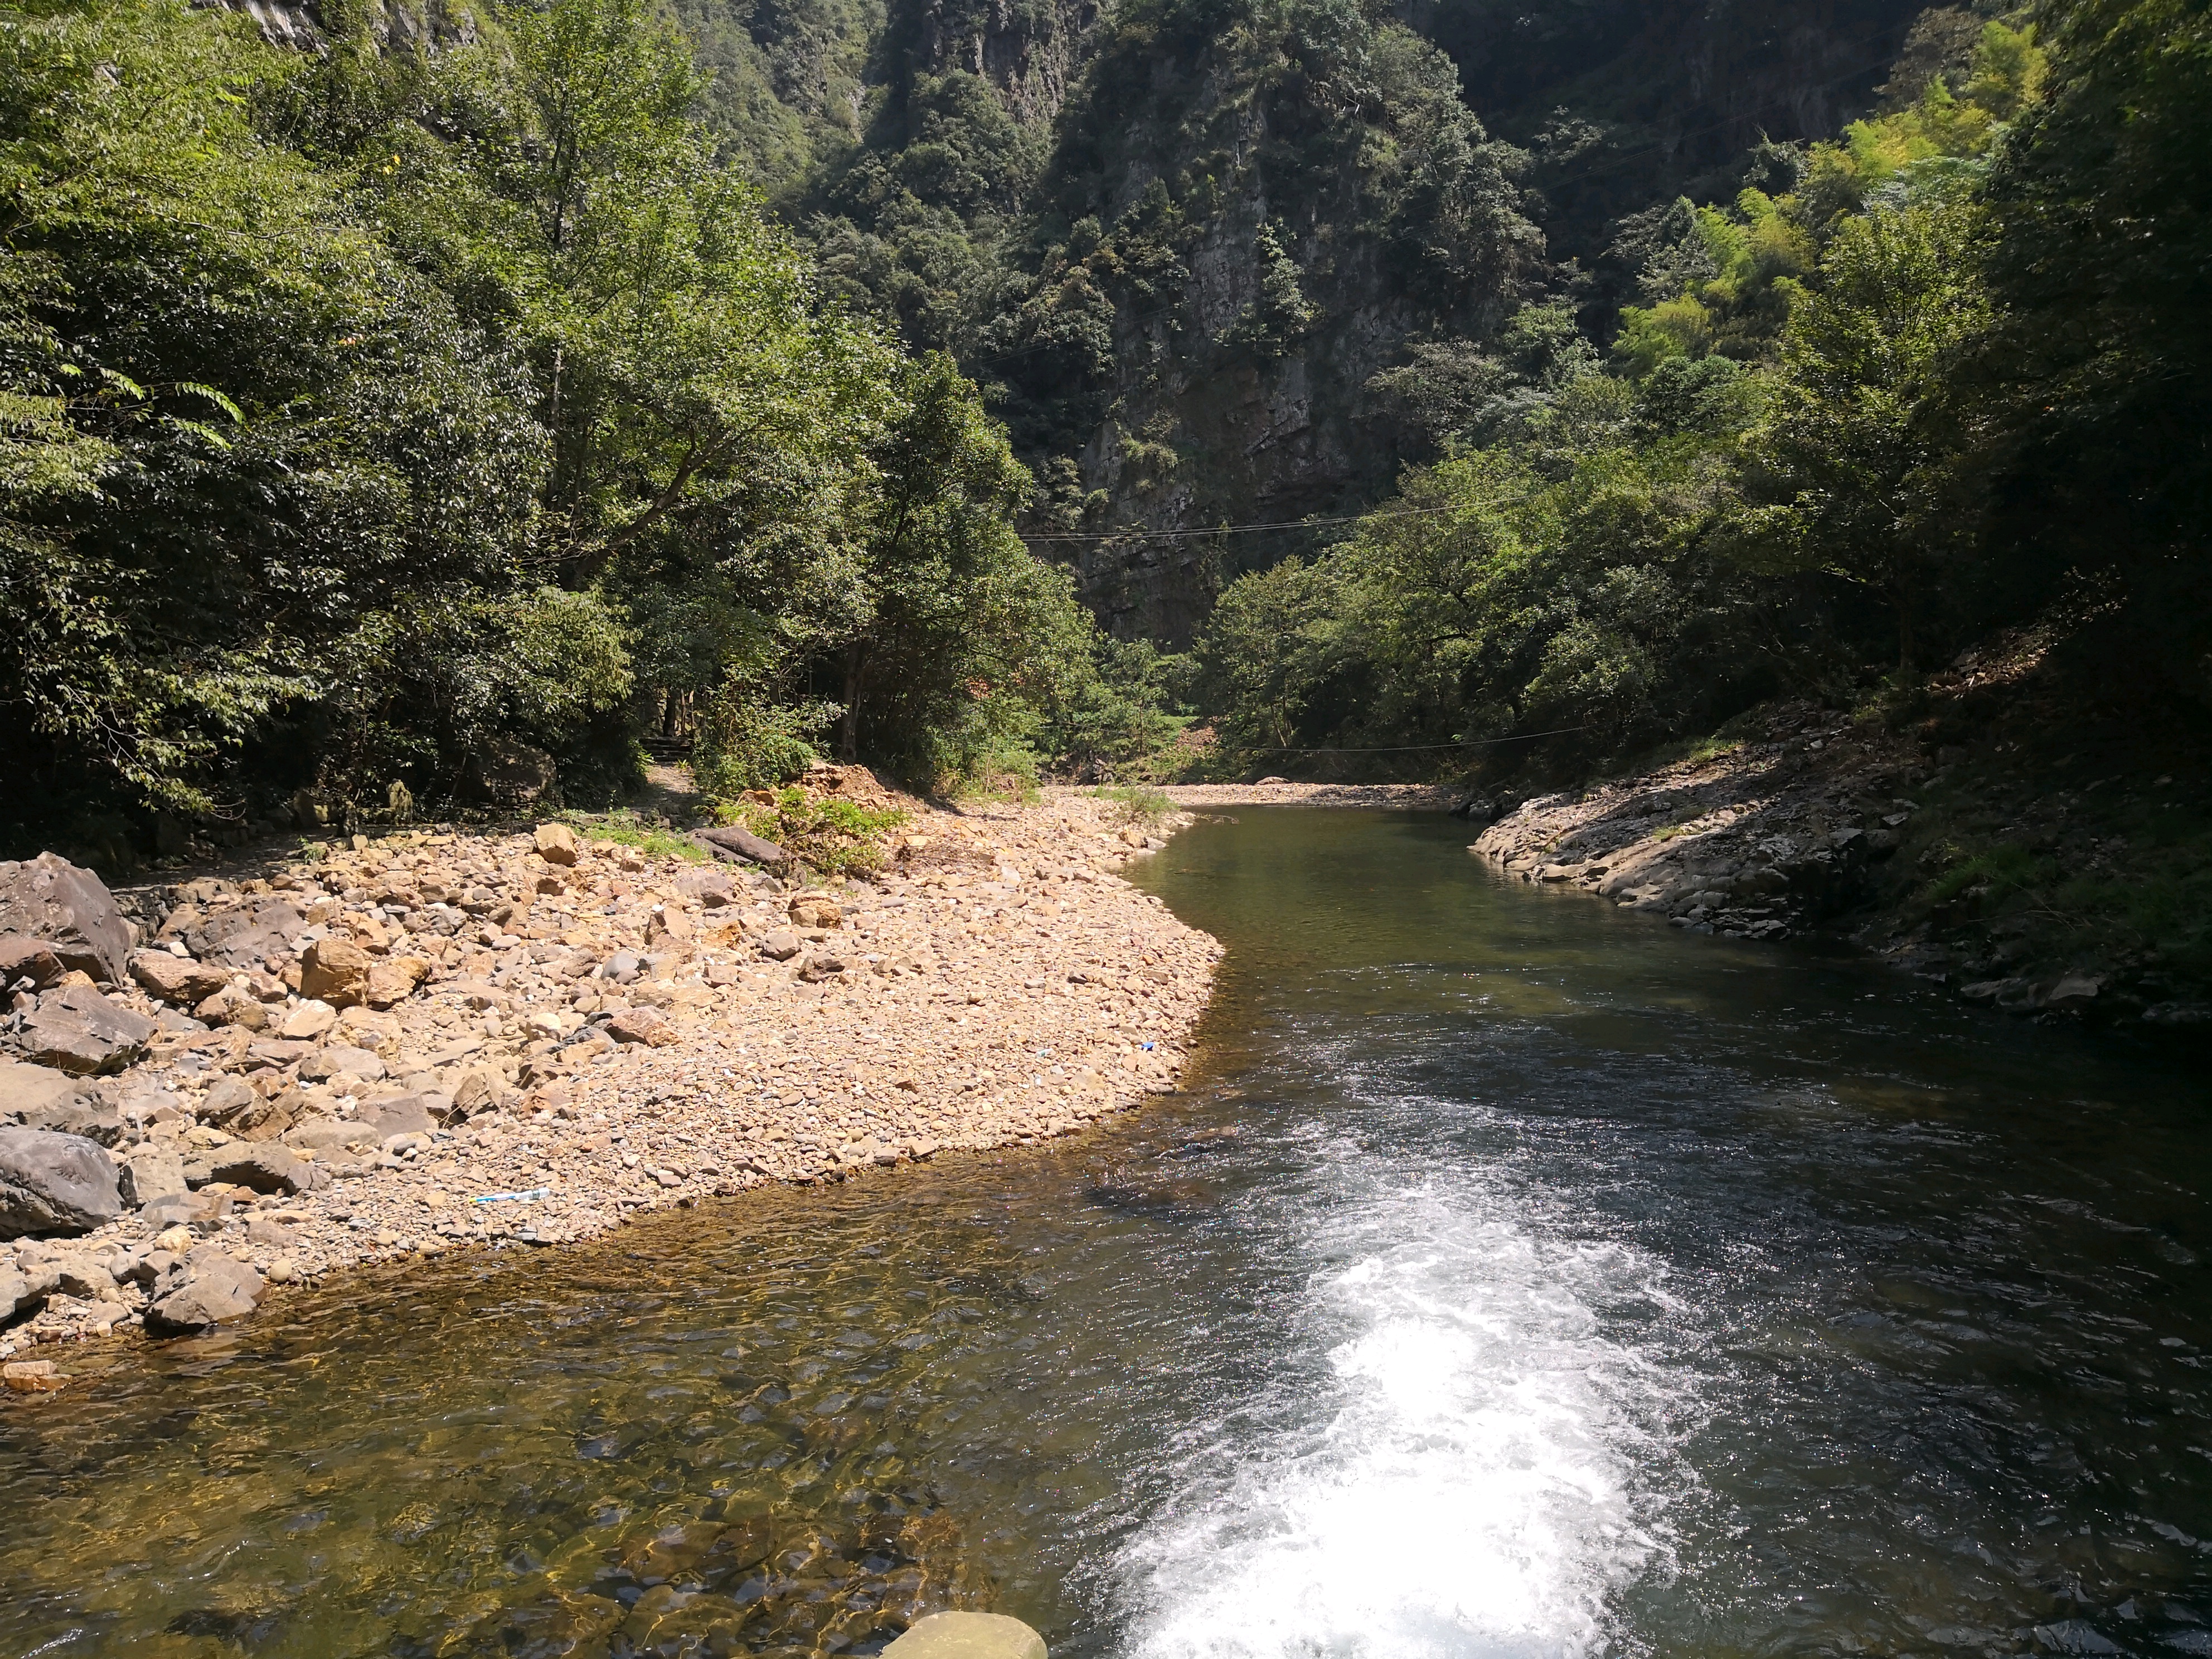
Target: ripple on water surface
pixel 1521 1279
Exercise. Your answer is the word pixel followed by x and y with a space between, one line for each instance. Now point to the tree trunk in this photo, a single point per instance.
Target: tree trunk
pixel 848 723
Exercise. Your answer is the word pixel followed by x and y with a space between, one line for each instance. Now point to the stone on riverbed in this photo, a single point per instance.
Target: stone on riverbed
pixel 54 1183
pixel 204 1289
pixel 29 1090
pixel 175 979
pixel 967 1636
pixel 148 1171
pixel 266 1167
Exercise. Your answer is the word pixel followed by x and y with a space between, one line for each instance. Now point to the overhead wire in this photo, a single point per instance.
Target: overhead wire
pixel 1410 748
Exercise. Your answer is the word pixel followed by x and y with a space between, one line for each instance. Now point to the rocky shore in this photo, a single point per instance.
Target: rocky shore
pixel 2006 883
pixel 431 1039
pixel 1758 841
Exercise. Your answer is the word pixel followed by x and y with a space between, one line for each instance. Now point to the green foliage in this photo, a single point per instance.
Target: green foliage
pixel 745 742
pixel 626 830
pixel 2104 266
pixel 1139 804
pixel 837 837
pixel 1868 447
pixel 363 411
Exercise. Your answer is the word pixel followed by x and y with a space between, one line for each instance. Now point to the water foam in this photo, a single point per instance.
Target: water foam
pixel 1467 1484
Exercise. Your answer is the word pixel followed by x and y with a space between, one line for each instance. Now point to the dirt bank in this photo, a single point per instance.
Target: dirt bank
pixel 600 1031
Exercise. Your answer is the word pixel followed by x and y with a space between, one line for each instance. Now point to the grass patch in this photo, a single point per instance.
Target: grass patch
pixel 1139 802
pixel 837 837
pixel 2004 869
pixel 652 840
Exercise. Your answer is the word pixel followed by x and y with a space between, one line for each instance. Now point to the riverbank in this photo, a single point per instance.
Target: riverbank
pixel 531 1037
pixel 2003 830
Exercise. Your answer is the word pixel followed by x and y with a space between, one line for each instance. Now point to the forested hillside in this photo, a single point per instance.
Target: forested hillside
pixel 422 415
pixel 427 401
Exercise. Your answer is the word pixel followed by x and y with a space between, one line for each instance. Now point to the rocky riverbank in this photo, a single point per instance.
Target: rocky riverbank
pixel 1757 840
pixel 430 1040
pixel 2033 858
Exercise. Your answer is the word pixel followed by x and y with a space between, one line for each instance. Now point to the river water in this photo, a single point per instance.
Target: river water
pixel 1517 1277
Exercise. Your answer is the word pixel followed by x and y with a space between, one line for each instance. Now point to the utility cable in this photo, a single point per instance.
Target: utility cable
pixel 1138 532
pixel 1410 748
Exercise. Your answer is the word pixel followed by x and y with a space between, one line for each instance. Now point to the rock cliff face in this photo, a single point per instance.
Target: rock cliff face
pixel 393 24
pixel 1180 241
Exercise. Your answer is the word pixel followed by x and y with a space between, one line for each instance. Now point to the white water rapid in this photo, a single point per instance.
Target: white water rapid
pixel 1475 1477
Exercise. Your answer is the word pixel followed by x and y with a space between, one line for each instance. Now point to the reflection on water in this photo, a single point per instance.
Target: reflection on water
pixel 1520 1278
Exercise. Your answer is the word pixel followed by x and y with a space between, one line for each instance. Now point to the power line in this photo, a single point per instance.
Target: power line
pixel 1410 748
pixel 1138 532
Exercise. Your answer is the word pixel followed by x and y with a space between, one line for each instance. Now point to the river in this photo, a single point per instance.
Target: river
pixel 1516 1277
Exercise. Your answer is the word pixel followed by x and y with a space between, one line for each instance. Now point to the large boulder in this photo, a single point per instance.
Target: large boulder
pixel 148 1171
pixel 504 773
pixel 25 961
pixel 266 1167
pixel 556 843
pixel 334 971
pixel 54 1183
pixel 52 899
pixel 207 1287
pixel 177 980
pixel 30 1090
pixel 241 935
pixel 78 1030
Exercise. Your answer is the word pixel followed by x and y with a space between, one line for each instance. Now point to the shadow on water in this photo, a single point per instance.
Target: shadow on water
pixel 1517 1278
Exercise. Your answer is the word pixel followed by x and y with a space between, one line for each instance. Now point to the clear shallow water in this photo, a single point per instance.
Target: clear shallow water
pixel 1519 1279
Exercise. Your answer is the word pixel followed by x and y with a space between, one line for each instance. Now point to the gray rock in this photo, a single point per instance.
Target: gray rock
pixel 52 899
pixel 27 961
pixel 225 1098
pixel 34 1089
pixel 782 945
pixel 405 1115
pixel 320 1134
pixel 327 1063
pixel 713 888
pixel 239 935
pixel 206 1288
pixel 76 1029
pixel 53 1183
pixel 149 1171
pixel 84 1115
pixel 265 1166
pixel 17 1293
pixel 185 1209
pixel 736 843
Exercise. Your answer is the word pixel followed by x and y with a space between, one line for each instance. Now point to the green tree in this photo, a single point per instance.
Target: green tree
pixel 1868 459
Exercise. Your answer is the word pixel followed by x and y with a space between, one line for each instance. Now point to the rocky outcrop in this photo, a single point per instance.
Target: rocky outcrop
pixel 54 1183
pixel 206 1288
pixel 1757 842
pixel 70 910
